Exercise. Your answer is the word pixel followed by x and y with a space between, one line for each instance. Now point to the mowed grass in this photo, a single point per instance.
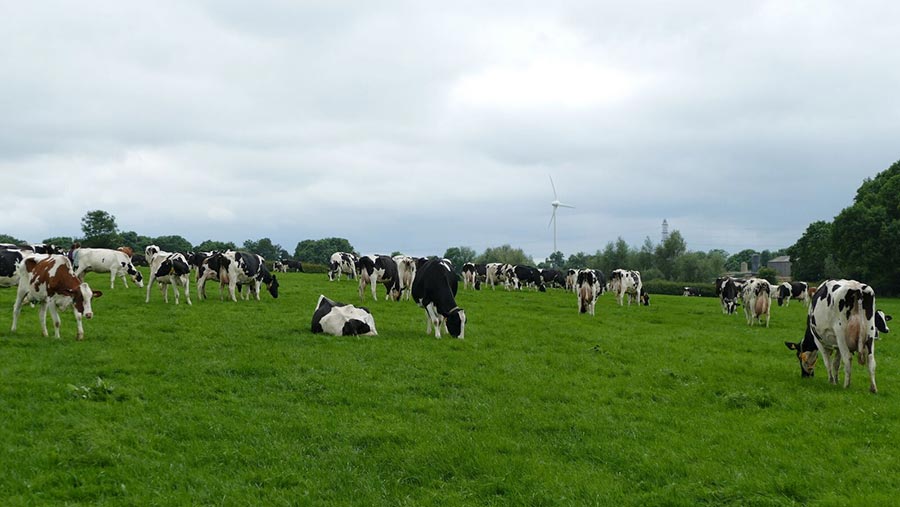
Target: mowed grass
pixel 225 403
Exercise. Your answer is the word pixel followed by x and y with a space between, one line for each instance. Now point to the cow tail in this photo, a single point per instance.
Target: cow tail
pixel 863 354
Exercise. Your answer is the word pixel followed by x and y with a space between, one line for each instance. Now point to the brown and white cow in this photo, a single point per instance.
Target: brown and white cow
pixel 841 317
pixel 52 282
pixel 756 300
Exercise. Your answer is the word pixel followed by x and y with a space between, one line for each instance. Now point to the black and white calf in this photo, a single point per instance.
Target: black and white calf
pixel 792 290
pixel 379 268
pixel 434 289
pixel 105 260
pixel 842 317
pixel 168 269
pixel 341 319
pixel 342 262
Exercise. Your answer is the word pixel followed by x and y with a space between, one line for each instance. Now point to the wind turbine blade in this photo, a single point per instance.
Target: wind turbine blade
pixel 565 205
pixel 552 218
pixel 554 188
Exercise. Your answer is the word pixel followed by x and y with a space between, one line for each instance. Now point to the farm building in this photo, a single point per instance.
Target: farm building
pixel 781 265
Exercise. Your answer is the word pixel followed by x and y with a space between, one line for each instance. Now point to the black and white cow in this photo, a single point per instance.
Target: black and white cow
pixel 233 268
pixel 379 268
pixel 406 270
pixel 469 275
pixel 529 277
pixel 792 290
pixel 571 278
pixel 342 262
pixel 553 278
pixel 497 272
pixel 623 281
pixel 291 265
pixel 10 260
pixel 105 260
pixel 434 289
pixel 588 288
pixel 756 295
pixel 691 291
pixel 842 318
pixel 728 295
pixel 168 269
pixel 341 319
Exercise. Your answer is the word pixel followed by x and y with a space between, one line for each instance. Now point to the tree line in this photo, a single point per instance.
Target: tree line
pixel 859 243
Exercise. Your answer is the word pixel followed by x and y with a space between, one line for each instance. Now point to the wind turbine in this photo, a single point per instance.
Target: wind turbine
pixel 556 204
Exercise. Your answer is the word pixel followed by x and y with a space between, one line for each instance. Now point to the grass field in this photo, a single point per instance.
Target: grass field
pixel 225 403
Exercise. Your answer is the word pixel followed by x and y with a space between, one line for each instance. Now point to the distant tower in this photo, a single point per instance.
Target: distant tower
pixel 665 232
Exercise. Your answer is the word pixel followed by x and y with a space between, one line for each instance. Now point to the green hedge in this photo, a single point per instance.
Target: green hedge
pixel 677 288
pixel 310 267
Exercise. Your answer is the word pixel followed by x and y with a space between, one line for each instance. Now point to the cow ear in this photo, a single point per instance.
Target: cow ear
pixel 888 318
pixel 792 346
pixel 95 294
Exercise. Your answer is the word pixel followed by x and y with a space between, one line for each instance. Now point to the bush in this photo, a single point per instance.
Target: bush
pixel 671 288
pixel 311 267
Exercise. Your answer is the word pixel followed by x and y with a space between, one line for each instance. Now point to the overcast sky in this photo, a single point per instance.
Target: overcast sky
pixel 417 126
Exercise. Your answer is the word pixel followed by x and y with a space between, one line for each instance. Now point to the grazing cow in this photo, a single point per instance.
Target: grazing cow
pixel 792 290
pixel 104 260
pixel 342 262
pixel 127 250
pixel 406 270
pixel 233 268
pixel 529 276
pixel 44 248
pixel 292 265
pixel 168 269
pixel 588 288
pixel 469 275
pixel 341 319
pixel 691 291
pixel 729 296
pixel 623 281
pixel 139 260
pixel 434 289
pixel 379 268
pixel 279 267
pixel 10 259
pixel 841 317
pixel 553 277
pixel 755 294
pixel 52 281
pixel 496 272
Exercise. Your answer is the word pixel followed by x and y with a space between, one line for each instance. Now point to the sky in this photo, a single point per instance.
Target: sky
pixel 416 126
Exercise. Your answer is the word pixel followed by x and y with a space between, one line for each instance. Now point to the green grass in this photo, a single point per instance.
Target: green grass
pixel 225 403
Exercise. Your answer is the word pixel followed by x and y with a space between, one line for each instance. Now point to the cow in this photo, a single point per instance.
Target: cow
pixel 44 248
pixel 792 290
pixel 841 317
pixel 434 289
pixel 342 262
pixel 406 270
pixel 691 291
pixel 168 269
pixel 139 260
pixel 496 272
pixel 105 260
pixel 755 296
pixel 10 259
pixel 529 276
pixel 469 275
pixel 127 250
pixel 233 268
pixel 571 278
pixel 588 288
pixel 53 283
pixel 552 277
pixel 341 319
pixel 623 281
pixel 291 265
pixel 729 296
pixel 379 268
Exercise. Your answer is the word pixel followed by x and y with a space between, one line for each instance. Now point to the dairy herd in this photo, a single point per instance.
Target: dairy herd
pixel 842 318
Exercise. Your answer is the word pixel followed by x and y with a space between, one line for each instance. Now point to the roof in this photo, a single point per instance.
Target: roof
pixel 783 258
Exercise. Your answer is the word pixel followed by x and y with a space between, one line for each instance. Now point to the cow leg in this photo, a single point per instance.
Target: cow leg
pixel 42 316
pixel 847 360
pixel 54 314
pixel 232 286
pixel 256 286
pixel 17 308
pixel 186 281
pixel 78 323
pixel 374 282
pixel 871 364
pixel 362 288
pixel 150 286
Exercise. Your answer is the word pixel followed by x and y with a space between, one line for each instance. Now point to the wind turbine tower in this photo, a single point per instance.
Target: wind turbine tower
pixel 556 204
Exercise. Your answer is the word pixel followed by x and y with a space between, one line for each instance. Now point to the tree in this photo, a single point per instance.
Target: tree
pixel 734 262
pixel 210 245
pixel 100 230
pixel 134 240
pixel 265 248
pixel 172 244
pixel 505 254
pixel 319 251
pixel 668 251
pixel 556 260
pixel 768 274
pixel 810 253
pixel 459 255
pixel 6 238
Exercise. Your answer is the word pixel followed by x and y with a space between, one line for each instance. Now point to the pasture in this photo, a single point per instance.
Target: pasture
pixel 225 403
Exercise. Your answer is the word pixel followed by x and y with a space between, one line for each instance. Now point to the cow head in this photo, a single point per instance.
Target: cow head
pixel 645 298
pixel 82 297
pixel 881 321
pixel 807 358
pixel 355 327
pixel 150 251
pixel 273 287
pixel 730 305
pixel 136 275
pixel 456 323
